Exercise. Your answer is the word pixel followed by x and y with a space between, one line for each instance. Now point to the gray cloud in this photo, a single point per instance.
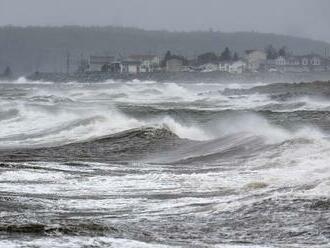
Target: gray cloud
pixel 306 18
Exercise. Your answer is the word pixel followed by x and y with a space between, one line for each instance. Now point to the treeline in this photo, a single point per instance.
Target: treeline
pixel 31 49
pixel 211 57
pixel 273 53
pixel 227 55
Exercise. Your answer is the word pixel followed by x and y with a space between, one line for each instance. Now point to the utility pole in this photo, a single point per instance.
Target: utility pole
pixel 325 52
pixel 68 58
pixel 325 60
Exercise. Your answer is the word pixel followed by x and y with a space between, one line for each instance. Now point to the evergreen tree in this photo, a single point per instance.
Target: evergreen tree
pixel 235 57
pixel 207 58
pixel 226 55
pixel 282 52
pixel 271 52
pixel 167 56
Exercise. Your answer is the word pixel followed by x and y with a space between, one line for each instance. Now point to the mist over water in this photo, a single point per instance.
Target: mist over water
pixel 149 164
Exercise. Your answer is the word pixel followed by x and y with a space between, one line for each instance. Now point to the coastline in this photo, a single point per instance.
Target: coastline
pixel 184 77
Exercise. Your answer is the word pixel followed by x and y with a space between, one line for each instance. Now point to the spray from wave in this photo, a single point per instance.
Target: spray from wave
pixel 163 164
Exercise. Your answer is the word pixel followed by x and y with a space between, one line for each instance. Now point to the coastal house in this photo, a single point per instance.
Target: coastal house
pixel 224 66
pixel 115 67
pixel 304 63
pixel 175 64
pixel 100 63
pixel 149 63
pixel 314 62
pixel 291 64
pixel 280 61
pixel 292 61
pixel 237 67
pixel 209 67
pixel 254 59
pixel 131 67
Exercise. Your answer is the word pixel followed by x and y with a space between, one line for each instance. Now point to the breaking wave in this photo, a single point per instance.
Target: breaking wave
pixel 142 163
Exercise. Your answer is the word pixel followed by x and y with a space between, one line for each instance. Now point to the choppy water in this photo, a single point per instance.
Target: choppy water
pixel 147 164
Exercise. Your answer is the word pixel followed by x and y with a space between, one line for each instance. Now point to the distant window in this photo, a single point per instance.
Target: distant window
pixel 305 62
pixel 316 61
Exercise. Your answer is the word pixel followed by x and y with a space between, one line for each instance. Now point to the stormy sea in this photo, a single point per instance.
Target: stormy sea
pixel 164 164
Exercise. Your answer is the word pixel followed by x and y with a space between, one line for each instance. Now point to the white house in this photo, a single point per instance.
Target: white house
pixel 149 63
pixel 224 66
pixel 237 67
pixel 280 61
pixel 209 67
pixel 175 64
pixel 305 63
pixel 292 61
pixel 131 67
pixel 310 60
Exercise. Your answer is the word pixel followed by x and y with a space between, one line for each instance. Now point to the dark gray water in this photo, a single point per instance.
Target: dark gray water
pixel 146 164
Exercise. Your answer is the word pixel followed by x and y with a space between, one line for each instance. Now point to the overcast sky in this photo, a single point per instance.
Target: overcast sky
pixel 306 18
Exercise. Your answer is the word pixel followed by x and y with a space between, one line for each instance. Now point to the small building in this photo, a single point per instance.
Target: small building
pixel 115 67
pixel 149 63
pixel 237 67
pixel 315 60
pixel 254 59
pixel 100 63
pixel 209 67
pixel 224 66
pixel 175 64
pixel 305 63
pixel 292 61
pixel 131 67
pixel 280 61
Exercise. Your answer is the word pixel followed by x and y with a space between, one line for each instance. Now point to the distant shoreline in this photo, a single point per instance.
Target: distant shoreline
pixel 185 77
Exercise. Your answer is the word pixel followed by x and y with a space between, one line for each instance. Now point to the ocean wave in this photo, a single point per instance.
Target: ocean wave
pixel 24 81
pixel 55 115
pixel 138 164
pixel 44 124
pixel 8 114
pixel 286 90
pixel 83 241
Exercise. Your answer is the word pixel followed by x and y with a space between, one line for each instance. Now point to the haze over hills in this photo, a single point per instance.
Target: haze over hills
pixel 31 49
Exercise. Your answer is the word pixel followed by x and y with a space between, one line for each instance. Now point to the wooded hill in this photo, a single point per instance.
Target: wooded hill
pixel 31 49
